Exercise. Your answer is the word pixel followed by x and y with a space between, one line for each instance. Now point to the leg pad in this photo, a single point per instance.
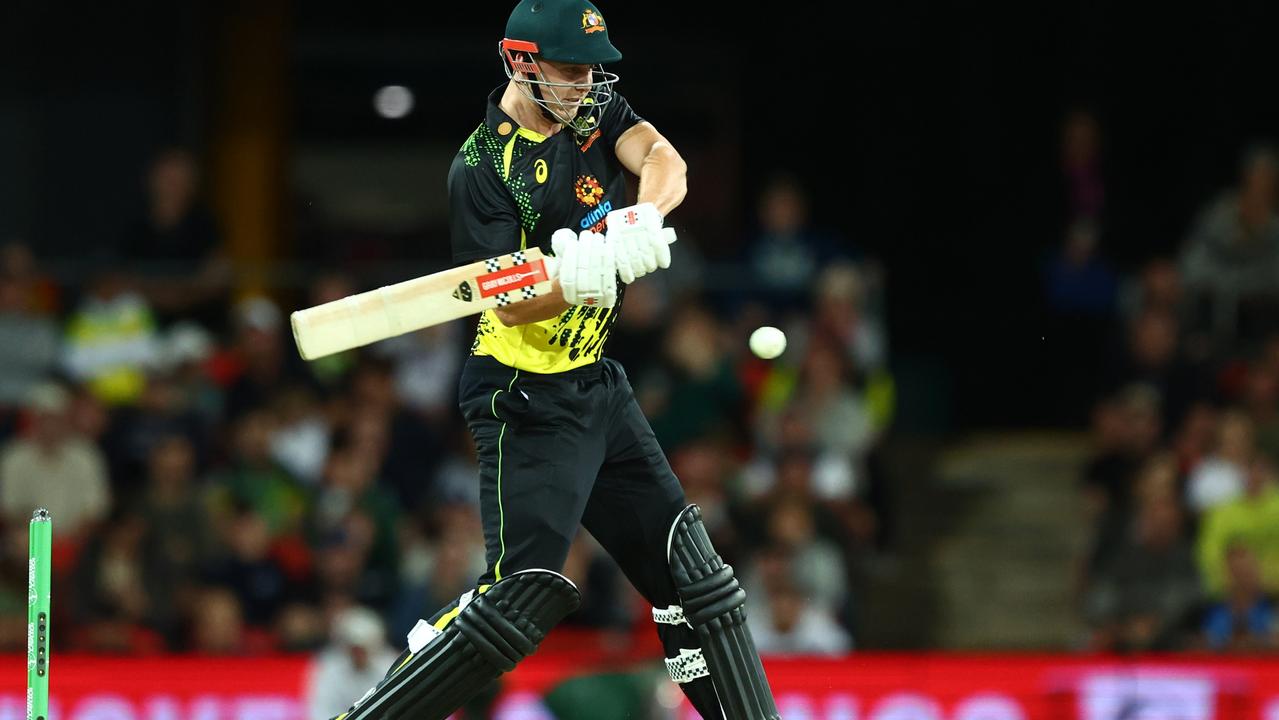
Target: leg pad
pixel 714 604
pixel 490 635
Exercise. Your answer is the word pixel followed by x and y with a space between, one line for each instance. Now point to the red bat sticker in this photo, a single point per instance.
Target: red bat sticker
pixel 511 278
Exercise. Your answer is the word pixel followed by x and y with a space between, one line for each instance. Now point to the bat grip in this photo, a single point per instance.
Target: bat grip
pixel 553 263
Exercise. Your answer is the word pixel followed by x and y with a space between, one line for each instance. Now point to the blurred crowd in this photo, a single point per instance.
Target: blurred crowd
pixel 1179 364
pixel 212 493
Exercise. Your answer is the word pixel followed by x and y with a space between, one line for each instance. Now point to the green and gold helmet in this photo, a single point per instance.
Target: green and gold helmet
pixel 562 31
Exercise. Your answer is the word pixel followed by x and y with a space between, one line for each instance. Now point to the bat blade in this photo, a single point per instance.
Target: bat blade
pixel 392 310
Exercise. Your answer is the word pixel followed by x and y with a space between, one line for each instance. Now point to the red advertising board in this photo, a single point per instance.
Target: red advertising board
pixel 862 687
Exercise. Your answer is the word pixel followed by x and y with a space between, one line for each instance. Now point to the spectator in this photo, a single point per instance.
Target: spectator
pixel 1152 356
pixel 28 338
pixel 455 481
pixel 249 570
pixel 111 341
pixel 1126 429
pixel 836 522
pixel 118 590
pixel 826 413
pixel 1081 167
pixel 604 605
pixel 40 294
pixel 697 394
pixel 787 252
pixel 1261 398
pixel 1144 593
pixel 639 329
pixel 1197 437
pixel 1219 478
pixel 703 468
pixel 266 358
pixel 425 363
pixel 840 415
pixel 301 626
pixel 404 449
pixel 436 567
pixel 1249 520
pixel 254 480
pixel 178 531
pixel 186 350
pixel 160 412
pixel 354 514
pixel 816 564
pixel 1080 287
pixel 1078 280
pixel 217 625
pixel 175 246
pixel 13 590
pixel 1157 287
pixel 54 468
pixel 331 370
pixel 1157 479
pixel 843 314
pixel 300 439
pixel 353 662
pixel 787 624
pixel 1245 620
pixel 1233 250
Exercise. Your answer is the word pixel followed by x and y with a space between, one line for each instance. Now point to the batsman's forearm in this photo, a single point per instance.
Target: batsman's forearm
pixel 537 309
pixel 663 178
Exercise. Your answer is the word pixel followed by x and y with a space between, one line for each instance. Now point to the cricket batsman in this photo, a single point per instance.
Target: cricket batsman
pixel 560 438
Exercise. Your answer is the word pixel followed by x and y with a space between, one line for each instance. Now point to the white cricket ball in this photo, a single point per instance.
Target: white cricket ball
pixel 768 342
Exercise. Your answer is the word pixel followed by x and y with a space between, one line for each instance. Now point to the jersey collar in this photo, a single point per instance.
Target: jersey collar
pixel 504 125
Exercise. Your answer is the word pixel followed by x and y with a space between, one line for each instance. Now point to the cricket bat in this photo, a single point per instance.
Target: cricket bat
pixel 392 310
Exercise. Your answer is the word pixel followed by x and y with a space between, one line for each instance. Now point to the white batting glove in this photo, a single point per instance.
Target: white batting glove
pixel 585 268
pixel 640 243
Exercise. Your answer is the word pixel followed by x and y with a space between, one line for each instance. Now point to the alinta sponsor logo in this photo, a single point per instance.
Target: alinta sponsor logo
pixel 597 219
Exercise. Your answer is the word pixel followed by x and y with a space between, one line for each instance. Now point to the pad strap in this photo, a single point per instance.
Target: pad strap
pixel 689 666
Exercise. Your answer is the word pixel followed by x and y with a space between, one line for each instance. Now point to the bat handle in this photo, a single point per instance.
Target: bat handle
pixel 553 264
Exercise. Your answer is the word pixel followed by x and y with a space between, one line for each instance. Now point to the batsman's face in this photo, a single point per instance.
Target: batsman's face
pixel 565 73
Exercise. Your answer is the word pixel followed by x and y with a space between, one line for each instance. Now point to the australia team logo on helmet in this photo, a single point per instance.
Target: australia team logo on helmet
pixel 588 190
pixel 592 22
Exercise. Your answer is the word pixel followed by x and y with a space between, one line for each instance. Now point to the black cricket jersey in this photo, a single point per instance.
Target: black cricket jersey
pixel 511 188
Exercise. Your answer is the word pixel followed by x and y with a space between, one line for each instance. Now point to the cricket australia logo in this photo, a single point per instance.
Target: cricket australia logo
pixel 592 22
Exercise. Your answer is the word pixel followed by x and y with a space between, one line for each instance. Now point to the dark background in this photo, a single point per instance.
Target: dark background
pixel 926 134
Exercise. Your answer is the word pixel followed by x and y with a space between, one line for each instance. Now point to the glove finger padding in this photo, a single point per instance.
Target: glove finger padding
pixel 608 272
pixel 661 242
pixel 564 243
pixel 622 258
pixel 598 271
pixel 639 255
pixel 587 268
pixel 649 255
